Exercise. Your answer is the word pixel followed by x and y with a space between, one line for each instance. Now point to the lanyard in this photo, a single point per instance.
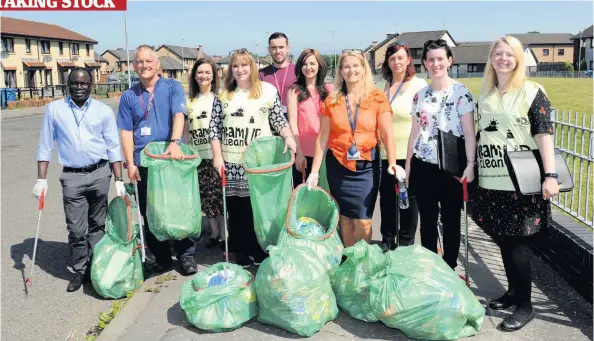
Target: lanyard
pixel 82 115
pixel 150 103
pixel 396 93
pixel 352 122
pixel 280 90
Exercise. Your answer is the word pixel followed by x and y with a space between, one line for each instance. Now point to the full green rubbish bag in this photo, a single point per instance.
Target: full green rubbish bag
pixel 220 298
pixel 269 174
pixel 422 296
pixel 350 280
pixel 312 219
pixel 116 265
pixel 173 207
pixel 294 291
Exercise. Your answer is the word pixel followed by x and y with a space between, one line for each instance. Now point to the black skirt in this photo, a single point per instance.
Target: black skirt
pixel 510 213
pixel 355 192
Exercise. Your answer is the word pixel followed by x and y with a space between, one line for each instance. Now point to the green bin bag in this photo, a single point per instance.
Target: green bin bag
pixel 294 291
pixel 173 207
pixel 269 173
pixel 312 219
pixel 322 177
pixel 116 266
pixel 350 282
pixel 220 298
pixel 422 296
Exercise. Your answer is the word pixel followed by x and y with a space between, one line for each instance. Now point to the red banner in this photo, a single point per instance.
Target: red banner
pixel 63 5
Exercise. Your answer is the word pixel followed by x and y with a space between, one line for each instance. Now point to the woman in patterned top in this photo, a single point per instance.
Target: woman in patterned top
pixel 204 84
pixel 445 105
pixel 245 109
pixel 513 114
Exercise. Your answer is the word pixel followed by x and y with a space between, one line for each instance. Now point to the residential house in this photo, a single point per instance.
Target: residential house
pixel 583 39
pixel 171 68
pixel 103 64
pixel 470 59
pixel 118 59
pixel 415 42
pixel 36 54
pixel 548 48
pixel 189 55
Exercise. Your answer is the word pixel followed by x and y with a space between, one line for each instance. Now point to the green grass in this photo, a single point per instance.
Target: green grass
pixel 573 99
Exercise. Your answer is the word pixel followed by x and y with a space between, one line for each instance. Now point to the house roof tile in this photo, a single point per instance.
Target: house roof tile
pixel 28 28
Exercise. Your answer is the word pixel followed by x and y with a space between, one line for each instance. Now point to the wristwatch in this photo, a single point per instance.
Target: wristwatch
pixel 119 179
pixel 551 175
pixel 178 141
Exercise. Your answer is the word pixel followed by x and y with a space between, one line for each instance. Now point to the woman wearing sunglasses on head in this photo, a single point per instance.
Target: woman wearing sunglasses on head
pixel 351 118
pixel 245 108
pixel 401 85
pixel 304 101
pixel 514 114
pixel 445 105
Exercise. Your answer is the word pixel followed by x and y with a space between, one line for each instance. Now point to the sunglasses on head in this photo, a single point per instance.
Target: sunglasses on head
pixel 397 43
pixel 241 50
pixel 437 42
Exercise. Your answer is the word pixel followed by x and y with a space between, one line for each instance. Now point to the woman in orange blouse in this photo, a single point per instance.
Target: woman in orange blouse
pixel 350 119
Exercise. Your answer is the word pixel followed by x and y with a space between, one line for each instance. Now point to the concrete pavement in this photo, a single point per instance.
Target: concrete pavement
pixel 562 313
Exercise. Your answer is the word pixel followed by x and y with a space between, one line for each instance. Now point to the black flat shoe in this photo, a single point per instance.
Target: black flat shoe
pixel 502 302
pixel 76 282
pixel 212 242
pixel 517 320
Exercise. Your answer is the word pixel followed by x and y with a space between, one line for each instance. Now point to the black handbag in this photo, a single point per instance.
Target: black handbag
pixel 527 173
pixel 451 153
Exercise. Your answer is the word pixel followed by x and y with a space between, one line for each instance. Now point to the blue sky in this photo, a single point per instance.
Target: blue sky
pixel 224 26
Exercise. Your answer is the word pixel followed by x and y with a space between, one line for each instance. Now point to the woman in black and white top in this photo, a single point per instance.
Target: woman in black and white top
pixel 245 108
pixel 447 105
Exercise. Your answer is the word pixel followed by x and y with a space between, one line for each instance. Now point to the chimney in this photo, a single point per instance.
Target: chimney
pixel 119 49
pixel 374 43
pixel 200 51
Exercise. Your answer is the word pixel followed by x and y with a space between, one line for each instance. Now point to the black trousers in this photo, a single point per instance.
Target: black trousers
pixel 160 249
pixel 517 268
pixel 435 188
pixel 408 218
pixel 242 237
pixel 298 176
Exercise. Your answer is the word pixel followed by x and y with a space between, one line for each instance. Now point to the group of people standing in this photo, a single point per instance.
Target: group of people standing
pixel 369 139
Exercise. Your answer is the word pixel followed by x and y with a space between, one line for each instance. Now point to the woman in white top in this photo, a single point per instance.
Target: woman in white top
pixel 401 85
pixel 445 105
pixel 246 108
pixel 204 84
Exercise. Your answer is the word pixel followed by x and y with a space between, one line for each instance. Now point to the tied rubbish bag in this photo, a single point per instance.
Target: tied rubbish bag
pixel 350 282
pixel 422 296
pixel 173 207
pixel 116 266
pixel 269 174
pixel 294 291
pixel 311 222
pixel 220 298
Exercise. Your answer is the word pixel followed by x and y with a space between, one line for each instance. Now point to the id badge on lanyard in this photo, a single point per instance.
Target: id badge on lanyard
pixel 353 153
pixel 146 130
pixel 281 88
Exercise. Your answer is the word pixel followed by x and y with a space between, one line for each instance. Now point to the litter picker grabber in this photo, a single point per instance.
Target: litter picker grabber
pixel 397 237
pixel 465 197
pixel 41 205
pixel 140 222
pixel 224 184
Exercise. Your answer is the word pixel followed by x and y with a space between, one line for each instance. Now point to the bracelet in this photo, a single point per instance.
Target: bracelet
pixel 551 175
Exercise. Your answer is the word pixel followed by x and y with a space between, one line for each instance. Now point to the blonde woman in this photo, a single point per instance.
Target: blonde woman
pixel 350 119
pixel 514 114
pixel 252 107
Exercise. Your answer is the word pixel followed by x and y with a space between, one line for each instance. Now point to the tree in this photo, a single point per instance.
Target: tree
pixel 568 66
pixel 329 59
pixel 533 32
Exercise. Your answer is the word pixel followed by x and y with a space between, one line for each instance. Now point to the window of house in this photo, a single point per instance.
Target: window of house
pixel 8 44
pixel 88 47
pixel 28 45
pixel 472 68
pixel 45 46
pixel 561 52
pixel 75 49
pixel 10 78
pixel 61 48
pixel 545 52
pixel 48 77
pixel 416 53
pixel 418 68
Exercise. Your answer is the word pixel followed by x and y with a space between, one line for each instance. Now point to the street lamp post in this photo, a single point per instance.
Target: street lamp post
pixel 334 43
pixel 183 62
pixel 127 50
pixel 580 53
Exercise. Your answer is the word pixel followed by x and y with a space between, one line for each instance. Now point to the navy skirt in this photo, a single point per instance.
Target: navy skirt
pixel 356 192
